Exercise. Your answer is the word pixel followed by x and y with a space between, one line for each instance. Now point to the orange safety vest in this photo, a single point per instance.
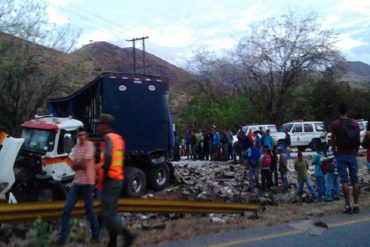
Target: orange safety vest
pixel 116 167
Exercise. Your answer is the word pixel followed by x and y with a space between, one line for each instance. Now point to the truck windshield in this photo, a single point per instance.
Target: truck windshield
pixel 38 140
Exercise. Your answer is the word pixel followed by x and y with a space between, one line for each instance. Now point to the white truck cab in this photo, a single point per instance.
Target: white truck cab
pixel 43 164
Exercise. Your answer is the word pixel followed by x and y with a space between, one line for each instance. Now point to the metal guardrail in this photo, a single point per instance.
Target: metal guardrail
pixel 49 210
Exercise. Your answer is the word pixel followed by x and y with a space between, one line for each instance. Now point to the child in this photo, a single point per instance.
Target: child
pixel 319 174
pixel 301 166
pixel 266 168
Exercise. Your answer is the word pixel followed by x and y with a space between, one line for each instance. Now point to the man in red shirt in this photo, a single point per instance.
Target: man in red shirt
pixel 345 133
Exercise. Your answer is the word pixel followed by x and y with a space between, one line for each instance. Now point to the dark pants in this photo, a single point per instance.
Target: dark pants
pixel 110 195
pixel 274 175
pixel 265 173
pixel 230 151
pixel 84 192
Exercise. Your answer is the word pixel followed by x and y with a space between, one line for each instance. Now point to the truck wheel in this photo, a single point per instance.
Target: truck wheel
pixel 159 177
pixel 302 148
pixel 134 183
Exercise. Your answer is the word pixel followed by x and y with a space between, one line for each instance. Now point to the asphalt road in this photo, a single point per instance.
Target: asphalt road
pixel 344 230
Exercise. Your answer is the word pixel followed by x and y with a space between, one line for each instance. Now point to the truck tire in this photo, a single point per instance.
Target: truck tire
pixel 159 177
pixel 302 148
pixel 134 183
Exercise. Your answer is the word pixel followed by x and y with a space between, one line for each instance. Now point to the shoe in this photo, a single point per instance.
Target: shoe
pixel 328 200
pixel 337 198
pixel 347 210
pixel 356 209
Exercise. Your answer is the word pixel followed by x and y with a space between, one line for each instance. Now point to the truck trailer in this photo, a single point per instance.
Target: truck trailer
pixel 139 103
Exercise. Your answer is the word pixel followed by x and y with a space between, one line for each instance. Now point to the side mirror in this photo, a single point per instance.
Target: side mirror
pixel 67 143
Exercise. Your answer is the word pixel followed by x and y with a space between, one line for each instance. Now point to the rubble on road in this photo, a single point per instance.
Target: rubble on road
pixel 227 182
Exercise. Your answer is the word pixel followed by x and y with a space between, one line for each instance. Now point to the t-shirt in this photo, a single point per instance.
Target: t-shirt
pixel 317 162
pixel 301 167
pixel 84 155
pixel 335 130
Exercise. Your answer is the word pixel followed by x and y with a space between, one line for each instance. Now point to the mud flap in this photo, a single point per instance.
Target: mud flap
pixel 8 154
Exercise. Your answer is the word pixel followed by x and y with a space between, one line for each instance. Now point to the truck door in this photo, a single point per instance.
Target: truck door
pixel 297 135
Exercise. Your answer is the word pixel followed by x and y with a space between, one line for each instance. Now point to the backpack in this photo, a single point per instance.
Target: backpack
pixel 266 161
pixel 349 135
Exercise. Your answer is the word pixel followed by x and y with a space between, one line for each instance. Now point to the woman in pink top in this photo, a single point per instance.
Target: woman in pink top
pixel 82 187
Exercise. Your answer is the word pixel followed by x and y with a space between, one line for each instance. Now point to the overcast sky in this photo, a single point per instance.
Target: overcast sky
pixel 176 28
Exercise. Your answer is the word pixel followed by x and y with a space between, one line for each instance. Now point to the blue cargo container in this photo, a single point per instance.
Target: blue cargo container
pixel 140 105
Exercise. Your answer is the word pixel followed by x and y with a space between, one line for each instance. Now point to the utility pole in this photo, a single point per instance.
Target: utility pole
pixel 133 40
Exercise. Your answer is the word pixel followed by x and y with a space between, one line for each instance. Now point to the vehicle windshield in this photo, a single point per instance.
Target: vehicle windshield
pixel 287 127
pixel 38 140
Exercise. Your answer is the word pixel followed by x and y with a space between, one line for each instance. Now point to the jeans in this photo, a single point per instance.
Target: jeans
pixel 253 176
pixel 320 188
pixel 284 180
pixel 345 162
pixel 301 183
pixel 331 185
pixel 84 192
pixel 193 152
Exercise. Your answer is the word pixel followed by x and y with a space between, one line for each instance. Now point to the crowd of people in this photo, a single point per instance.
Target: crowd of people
pixel 334 163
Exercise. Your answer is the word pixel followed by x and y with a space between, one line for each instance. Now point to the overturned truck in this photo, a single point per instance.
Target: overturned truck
pixel 139 104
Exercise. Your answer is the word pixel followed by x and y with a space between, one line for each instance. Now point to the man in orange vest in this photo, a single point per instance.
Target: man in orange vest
pixel 111 177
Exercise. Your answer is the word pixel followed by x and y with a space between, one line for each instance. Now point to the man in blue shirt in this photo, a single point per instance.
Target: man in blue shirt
pixel 267 140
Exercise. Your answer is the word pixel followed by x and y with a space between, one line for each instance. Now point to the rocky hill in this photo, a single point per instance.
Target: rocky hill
pixel 109 57
pixel 355 72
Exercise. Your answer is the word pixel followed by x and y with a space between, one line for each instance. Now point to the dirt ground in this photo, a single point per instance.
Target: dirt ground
pixel 171 227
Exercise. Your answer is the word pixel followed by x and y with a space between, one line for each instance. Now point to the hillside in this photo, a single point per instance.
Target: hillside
pixel 355 72
pixel 109 57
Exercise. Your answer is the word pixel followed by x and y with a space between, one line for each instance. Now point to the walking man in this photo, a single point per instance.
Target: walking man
pixel 83 183
pixel 111 168
pixel 346 141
